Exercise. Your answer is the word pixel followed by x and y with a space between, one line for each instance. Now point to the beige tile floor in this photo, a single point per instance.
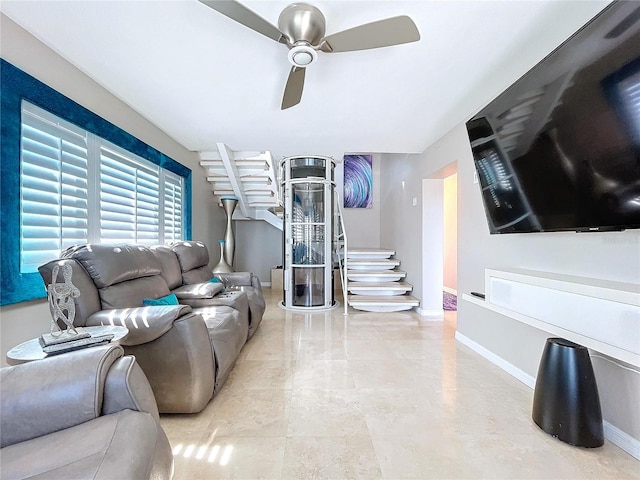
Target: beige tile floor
pixel 370 396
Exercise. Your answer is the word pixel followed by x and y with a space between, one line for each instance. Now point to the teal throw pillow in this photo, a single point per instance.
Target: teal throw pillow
pixel 170 299
pixel 215 280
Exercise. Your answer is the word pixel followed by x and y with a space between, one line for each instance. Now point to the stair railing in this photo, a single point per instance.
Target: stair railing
pixel 341 236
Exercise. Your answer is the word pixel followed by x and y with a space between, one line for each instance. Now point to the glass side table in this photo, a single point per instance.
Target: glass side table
pixel 31 350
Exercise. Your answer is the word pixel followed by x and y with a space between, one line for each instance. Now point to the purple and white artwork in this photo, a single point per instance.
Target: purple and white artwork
pixel 358 181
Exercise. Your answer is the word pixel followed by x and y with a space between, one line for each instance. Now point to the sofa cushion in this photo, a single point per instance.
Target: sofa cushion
pixel 99 449
pixel 170 299
pixel 145 323
pixel 132 292
pixel 199 290
pixel 171 271
pixel 111 264
pixel 191 255
pixel 197 275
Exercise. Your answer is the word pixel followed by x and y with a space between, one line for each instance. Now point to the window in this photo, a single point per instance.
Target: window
pixel 76 187
pixel 49 204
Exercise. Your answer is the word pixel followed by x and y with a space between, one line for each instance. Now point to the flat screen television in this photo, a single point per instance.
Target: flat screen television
pixel 560 149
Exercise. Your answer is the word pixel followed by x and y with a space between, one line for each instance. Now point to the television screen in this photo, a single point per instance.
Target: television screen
pixel 560 149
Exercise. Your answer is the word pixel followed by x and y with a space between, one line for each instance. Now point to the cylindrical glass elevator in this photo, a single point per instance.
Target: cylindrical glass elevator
pixel 308 214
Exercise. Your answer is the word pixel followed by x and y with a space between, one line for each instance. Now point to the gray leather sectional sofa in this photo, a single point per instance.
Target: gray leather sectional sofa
pixel 185 350
pixel 84 414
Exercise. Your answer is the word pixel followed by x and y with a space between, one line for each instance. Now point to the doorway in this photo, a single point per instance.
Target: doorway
pixel 450 234
pixel 439 240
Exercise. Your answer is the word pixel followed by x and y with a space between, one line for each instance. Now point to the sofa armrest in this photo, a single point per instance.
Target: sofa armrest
pixel 145 324
pixel 52 394
pixel 235 279
pixel 243 281
pixel 127 387
pixel 255 282
pixel 198 290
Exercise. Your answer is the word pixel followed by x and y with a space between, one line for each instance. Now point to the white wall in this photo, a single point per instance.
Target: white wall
pixel 363 224
pixel 432 244
pixel 401 221
pixel 29 319
pixel 608 255
pixel 258 248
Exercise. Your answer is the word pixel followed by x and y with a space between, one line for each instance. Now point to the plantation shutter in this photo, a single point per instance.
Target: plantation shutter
pixel 129 193
pixel 173 208
pixel 54 187
pixel 77 188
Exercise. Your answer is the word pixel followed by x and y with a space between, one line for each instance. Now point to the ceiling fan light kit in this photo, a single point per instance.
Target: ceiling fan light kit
pixel 302 56
pixel 302 28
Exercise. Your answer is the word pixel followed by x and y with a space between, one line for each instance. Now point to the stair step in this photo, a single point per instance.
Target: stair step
pixel 375 275
pixel 379 303
pixel 369 253
pixel 373 264
pixel 382 288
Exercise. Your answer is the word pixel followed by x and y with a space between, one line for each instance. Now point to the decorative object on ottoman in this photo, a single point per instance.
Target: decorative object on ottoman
pixel 566 404
pixel 61 299
pixel 222 266
pixel 60 296
pixel 229 205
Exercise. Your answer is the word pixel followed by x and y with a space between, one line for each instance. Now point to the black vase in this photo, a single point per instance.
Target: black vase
pixel 566 402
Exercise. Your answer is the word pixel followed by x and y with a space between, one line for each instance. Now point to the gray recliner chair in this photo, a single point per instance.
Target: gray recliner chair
pixel 185 268
pixel 85 414
pixel 171 343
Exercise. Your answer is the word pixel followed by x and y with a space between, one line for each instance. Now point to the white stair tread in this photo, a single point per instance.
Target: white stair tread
pixel 383 300
pixel 373 264
pixel 382 288
pixel 361 253
pixel 377 303
pixel 375 276
pixel 381 285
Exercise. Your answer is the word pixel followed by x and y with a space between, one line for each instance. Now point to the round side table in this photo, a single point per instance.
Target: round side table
pixel 31 350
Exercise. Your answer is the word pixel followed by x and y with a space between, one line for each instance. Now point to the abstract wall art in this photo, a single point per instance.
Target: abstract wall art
pixel 358 181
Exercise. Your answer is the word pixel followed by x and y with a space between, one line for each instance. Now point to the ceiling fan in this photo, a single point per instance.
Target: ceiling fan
pixel 301 27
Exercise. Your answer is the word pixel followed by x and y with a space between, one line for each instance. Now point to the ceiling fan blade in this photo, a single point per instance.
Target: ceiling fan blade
pixel 382 33
pixel 241 14
pixel 293 89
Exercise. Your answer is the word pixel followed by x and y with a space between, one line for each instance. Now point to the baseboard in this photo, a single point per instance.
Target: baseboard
pixel 616 436
pixel 511 369
pixel 436 314
pixel 622 439
pixel 452 291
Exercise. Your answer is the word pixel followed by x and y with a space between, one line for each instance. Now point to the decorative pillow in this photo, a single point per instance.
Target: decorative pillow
pixel 170 299
pixel 215 280
pixel 198 290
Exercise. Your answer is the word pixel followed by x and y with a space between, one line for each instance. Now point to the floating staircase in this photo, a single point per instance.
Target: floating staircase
pixel 248 176
pixel 374 281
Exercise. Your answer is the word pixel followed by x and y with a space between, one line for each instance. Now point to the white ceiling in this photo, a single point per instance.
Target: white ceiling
pixel 204 79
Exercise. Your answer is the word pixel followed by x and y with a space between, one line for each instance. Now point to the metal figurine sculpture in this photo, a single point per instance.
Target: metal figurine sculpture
pixel 61 298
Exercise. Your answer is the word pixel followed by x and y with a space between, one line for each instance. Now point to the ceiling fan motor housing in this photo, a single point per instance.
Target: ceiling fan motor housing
pixel 302 24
